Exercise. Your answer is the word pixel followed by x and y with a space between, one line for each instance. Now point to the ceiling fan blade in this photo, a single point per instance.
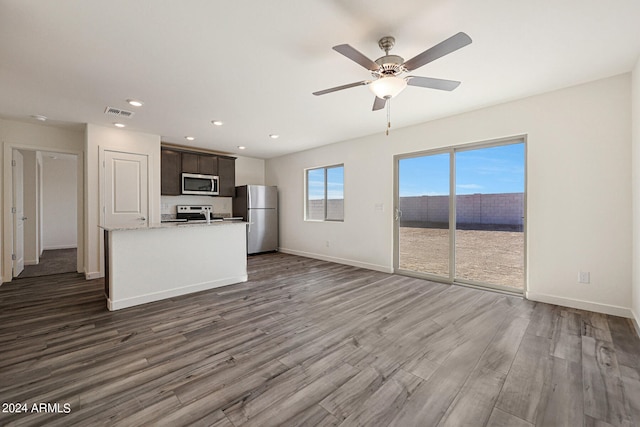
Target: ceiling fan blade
pixel 432 83
pixel 356 56
pixel 443 48
pixel 337 88
pixel 378 104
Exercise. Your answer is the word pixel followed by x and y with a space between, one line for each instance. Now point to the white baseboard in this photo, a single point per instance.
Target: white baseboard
pixel 30 262
pixel 345 261
pixel 613 310
pixel 636 322
pixel 93 275
pixel 51 248
pixel 156 296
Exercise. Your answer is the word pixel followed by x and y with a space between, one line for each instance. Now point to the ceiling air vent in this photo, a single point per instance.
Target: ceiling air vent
pixel 117 112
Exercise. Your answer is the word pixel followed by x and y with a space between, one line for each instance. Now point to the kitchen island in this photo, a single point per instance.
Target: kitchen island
pixel 159 261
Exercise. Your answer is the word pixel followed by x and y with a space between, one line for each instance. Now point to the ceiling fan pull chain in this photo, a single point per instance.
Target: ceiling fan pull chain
pixel 388 115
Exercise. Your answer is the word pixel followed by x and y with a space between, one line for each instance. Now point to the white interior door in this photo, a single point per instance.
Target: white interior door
pixel 126 195
pixel 18 215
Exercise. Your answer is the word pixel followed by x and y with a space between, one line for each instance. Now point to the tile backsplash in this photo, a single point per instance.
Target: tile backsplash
pixel 222 206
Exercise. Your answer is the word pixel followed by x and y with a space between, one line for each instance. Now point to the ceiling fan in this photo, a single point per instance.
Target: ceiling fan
pixel 387 69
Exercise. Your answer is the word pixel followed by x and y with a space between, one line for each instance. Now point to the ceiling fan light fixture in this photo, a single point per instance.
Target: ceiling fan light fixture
pixel 387 87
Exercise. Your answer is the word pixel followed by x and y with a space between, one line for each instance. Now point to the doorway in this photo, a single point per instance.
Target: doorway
pixel 45 234
pixel 460 215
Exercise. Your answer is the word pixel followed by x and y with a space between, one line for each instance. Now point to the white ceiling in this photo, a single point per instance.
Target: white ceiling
pixel 255 63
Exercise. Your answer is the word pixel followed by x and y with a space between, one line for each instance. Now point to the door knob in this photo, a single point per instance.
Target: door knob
pixel 142 218
pixel 24 218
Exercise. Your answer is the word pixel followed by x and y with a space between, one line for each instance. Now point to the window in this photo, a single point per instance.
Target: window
pixel 325 193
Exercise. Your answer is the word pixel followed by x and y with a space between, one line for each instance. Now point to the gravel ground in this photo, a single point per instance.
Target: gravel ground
pixel 495 257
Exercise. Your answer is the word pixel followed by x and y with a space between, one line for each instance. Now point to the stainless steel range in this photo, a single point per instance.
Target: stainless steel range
pixel 195 213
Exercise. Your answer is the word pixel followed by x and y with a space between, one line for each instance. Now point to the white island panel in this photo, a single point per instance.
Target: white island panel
pixel 150 264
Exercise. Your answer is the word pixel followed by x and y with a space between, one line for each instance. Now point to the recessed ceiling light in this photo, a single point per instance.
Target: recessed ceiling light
pixel 39 117
pixel 119 125
pixel 217 122
pixel 189 138
pixel 274 136
pixel 135 102
pixel 241 147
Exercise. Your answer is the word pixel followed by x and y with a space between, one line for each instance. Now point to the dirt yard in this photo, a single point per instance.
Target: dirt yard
pixel 495 257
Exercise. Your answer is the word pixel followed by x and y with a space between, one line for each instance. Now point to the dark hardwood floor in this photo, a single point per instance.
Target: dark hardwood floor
pixel 307 342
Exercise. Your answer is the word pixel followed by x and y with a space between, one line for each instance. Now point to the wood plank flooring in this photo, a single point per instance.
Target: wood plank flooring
pixel 306 342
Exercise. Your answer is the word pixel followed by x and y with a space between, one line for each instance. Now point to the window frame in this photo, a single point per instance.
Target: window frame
pixel 325 170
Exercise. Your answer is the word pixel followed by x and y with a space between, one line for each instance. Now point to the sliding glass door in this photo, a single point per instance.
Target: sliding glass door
pixel 490 215
pixel 424 239
pixel 460 215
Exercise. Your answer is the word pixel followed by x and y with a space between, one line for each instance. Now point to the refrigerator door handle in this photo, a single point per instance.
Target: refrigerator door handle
pixel 249 206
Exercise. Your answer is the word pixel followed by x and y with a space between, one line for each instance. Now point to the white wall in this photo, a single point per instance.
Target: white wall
pixel 30 194
pixel 249 171
pixel 100 138
pixel 29 136
pixel 635 166
pixel 579 144
pixel 60 199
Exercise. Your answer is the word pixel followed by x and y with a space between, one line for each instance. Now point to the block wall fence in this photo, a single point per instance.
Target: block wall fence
pixel 472 211
pixel 505 210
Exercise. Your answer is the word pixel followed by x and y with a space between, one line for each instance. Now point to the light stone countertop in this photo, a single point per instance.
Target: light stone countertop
pixel 214 223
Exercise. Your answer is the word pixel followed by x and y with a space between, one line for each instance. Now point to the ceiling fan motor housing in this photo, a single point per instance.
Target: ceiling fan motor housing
pixel 390 65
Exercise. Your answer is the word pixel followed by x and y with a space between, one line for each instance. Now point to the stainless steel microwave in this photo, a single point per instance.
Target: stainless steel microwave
pixel 205 185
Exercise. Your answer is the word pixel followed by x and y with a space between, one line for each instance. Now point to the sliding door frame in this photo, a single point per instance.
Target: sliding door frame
pixel 452 150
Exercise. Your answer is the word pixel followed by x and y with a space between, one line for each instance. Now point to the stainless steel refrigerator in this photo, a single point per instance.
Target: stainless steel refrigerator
pixel 258 205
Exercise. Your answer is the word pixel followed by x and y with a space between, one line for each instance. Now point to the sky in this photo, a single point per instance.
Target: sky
pixel 335 183
pixel 484 170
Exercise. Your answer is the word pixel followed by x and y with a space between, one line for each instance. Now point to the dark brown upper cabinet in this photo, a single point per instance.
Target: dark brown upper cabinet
pixel 199 163
pixel 208 165
pixel 175 162
pixel 170 172
pixel 227 172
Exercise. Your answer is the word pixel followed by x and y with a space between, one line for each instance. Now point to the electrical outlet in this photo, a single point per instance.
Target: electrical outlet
pixel 584 277
pixel 326 243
